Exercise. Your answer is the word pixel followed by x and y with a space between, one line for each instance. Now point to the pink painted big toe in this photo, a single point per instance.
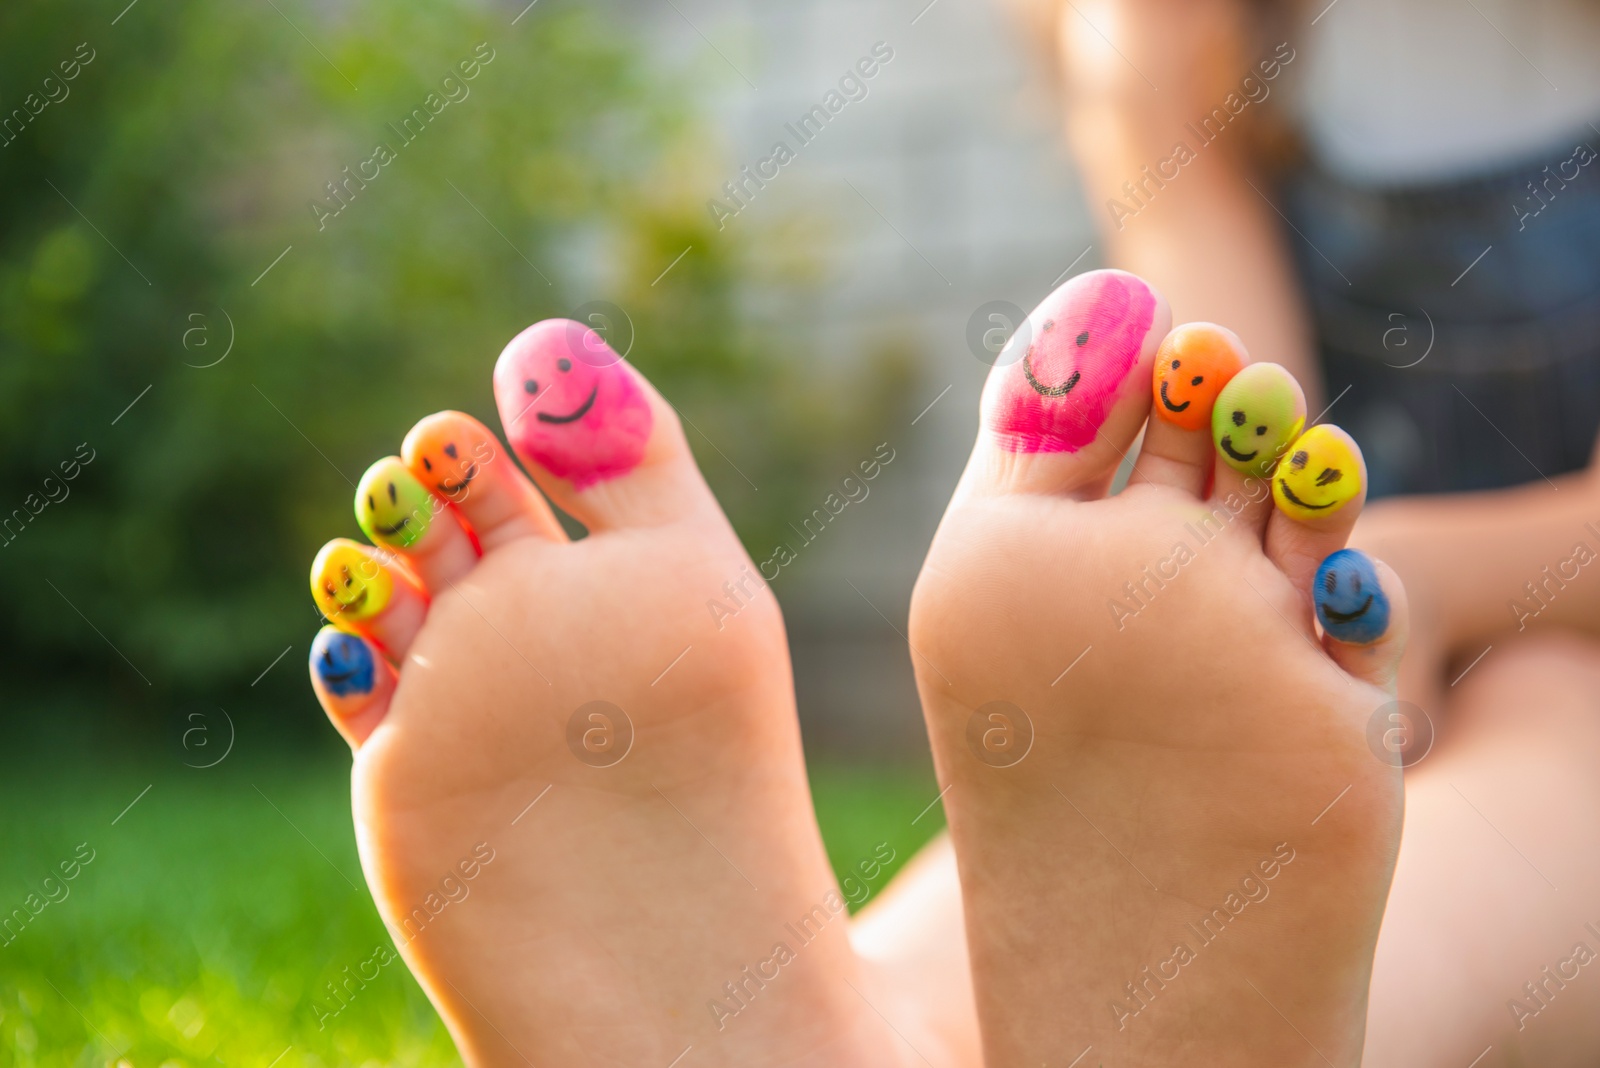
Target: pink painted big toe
pixel 569 404
pixel 1085 338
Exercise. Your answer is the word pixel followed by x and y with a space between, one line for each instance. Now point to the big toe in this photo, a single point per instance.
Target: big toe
pixel 1068 395
pixel 595 435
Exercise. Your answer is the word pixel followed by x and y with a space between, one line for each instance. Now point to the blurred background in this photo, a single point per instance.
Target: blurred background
pixel 244 247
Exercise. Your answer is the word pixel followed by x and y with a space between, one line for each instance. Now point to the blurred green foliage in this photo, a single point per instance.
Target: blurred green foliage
pixel 161 209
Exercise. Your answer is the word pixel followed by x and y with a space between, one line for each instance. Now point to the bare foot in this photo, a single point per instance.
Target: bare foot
pixel 1174 839
pixel 581 805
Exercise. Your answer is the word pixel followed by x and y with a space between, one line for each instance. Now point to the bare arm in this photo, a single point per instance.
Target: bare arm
pixel 1136 72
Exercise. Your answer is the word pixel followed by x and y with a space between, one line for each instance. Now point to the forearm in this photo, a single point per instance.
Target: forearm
pixel 1482 564
pixel 1197 222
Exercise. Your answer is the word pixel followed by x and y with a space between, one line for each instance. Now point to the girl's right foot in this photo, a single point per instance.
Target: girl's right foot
pixel 579 793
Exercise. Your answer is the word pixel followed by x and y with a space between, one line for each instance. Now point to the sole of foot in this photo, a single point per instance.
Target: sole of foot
pixel 1151 710
pixel 579 795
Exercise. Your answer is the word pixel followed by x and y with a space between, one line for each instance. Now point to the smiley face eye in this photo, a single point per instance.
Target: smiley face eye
pixel 1197 379
pixel 1083 339
pixel 1330 582
pixel 1299 459
pixel 563 364
pixel 1238 419
pixel 1329 475
pixel 427 464
pixel 371 504
pixel 1176 364
pixel 531 386
pixel 450 450
pixel 391 493
pixel 1355 584
pixel 1260 430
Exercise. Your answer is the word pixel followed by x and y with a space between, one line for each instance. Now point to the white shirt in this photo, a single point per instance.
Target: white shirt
pixel 1412 91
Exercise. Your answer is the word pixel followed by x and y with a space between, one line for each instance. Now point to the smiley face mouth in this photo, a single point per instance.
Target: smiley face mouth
pixel 394 528
pixel 583 410
pixel 451 489
pixel 1039 387
pixel 1283 484
pixel 1227 447
pixel 1333 615
pixel 332 679
pixel 356 604
pixel 1174 407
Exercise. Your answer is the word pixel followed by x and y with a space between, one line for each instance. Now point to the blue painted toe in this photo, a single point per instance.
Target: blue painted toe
pixel 1350 600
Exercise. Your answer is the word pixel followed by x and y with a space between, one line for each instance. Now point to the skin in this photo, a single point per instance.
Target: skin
pixel 1256 416
pixel 349 584
pixel 1320 474
pixel 1194 363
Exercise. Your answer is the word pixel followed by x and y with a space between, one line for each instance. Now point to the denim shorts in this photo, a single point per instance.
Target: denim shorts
pixel 1459 324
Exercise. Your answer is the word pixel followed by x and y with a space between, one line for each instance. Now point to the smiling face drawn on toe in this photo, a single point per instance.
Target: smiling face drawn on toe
pixel 348 583
pixel 570 404
pixel 1086 337
pixel 392 507
pixel 1349 598
pixel 1194 363
pixel 1321 474
pixel 344 663
pixel 1257 414
pixel 447 451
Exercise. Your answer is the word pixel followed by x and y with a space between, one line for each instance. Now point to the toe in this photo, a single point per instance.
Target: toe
pixel 1318 489
pixel 353 682
pixel 1255 418
pixel 459 459
pixel 365 592
pixel 1362 607
pixel 1062 416
pixel 1193 365
pixel 397 511
pixel 595 435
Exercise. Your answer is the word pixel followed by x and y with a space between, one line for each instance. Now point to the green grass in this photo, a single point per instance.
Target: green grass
pixel 215 910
